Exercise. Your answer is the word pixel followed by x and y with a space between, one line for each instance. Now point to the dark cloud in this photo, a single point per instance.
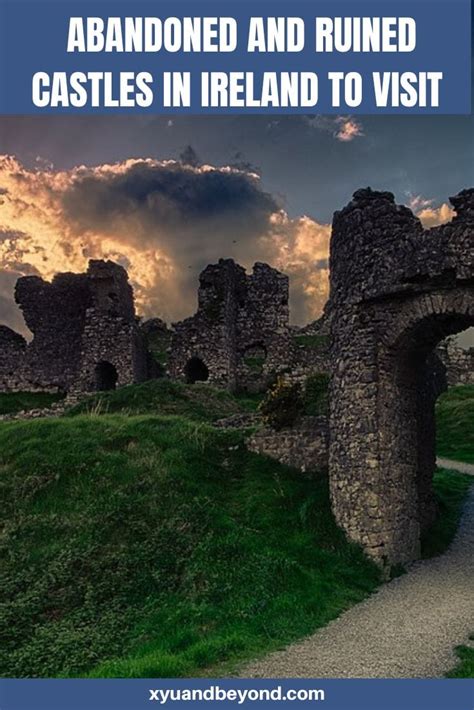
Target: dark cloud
pixel 190 157
pixel 166 194
pixel 164 221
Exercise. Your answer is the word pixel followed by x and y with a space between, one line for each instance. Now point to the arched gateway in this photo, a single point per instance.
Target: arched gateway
pixel 396 291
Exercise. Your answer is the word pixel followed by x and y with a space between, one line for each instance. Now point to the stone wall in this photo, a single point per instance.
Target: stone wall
pixel 459 363
pixel 112 346
pixel 12 360
pixel 240 332
pixel 79 323
pixel 55 314
pixel 396 291
pixel 303 446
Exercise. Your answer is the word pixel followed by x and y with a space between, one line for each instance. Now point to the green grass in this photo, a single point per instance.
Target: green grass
pixel 450 489
pixel 199 402
pixel 465 667
pixel 150 545
pixel 455 424
pixel 154 546
pixel 12 402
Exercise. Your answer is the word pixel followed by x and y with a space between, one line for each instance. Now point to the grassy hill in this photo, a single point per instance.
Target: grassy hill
pixel 12 402
pixel 455 424
pixel 146 543
pixel 200 402
pixel 156 546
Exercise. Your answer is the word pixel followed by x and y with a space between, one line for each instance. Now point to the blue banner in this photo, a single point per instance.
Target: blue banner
pixel 235 56
pixel 234 693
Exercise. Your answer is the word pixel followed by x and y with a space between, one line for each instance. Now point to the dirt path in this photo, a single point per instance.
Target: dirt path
pixel 408 629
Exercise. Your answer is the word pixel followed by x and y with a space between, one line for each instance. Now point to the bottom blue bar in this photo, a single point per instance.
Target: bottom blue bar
pixel 174 694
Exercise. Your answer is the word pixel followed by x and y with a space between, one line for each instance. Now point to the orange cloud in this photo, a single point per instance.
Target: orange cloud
pixel 348 129
pixel 164 221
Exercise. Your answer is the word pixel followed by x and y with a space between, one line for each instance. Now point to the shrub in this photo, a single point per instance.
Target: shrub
pixel 282 406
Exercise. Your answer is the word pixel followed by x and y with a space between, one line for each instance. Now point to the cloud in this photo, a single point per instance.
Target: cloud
pixel 348 129
pixel 163 220
pixel 429 215
pixel 343 128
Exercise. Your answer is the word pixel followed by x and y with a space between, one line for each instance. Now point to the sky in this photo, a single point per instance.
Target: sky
pixel 165 196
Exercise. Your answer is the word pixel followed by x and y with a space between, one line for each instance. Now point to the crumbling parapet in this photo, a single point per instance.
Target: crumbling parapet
pixel 85 333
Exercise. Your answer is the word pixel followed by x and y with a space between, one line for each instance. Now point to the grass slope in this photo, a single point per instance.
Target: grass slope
pixel 154 546
pixel 12 402
pixel 147 545
pixel 199 402
pixel 455 424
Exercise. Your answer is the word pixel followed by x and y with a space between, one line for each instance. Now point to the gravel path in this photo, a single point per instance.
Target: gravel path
pixel 408 629
pixel 456 465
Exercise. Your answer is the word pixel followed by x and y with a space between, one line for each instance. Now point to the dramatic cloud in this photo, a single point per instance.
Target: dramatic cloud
pixel 163 220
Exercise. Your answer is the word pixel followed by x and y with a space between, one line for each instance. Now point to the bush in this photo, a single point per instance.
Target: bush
pixel 282 406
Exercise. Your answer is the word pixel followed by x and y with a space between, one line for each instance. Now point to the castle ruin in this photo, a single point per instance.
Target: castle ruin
pixel 239 337
pixel 396 292
pixel 85 333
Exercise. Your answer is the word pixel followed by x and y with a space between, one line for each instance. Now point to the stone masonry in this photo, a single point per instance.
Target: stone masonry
pixel 85 333
pixel 396 291
pixel 239 338
pixel 303 446
pixel 459 363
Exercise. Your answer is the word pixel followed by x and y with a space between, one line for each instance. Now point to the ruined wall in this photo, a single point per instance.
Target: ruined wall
pixel 311 351
pixel 303 446
pixel 396 291
pixel 55 314
pixel 77 321
pixel 210 335
pixel 240 331
pixel 459 363
pixel 12 360
pixel 111 336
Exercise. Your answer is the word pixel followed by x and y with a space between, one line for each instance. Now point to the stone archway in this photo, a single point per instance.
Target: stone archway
pixel 196 371
pixel 106 376
pixel 396 291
